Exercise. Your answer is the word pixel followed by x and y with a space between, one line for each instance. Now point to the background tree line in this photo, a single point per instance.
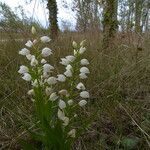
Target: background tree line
pixel 108 16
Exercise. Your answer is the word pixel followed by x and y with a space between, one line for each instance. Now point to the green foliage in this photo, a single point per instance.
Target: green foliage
pixel 129 143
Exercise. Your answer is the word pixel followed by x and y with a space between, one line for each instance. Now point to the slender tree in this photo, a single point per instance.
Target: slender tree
pixel 52 7
pixel 138 13
pixel 110 22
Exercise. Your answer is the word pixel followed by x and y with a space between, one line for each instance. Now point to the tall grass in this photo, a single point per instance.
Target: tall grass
pixel 119 84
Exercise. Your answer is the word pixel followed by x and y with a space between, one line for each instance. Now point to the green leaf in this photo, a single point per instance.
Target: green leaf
pixel 27 146
pixel 129 143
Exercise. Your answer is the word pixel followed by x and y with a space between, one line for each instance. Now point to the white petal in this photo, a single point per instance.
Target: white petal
pixel 27 77
pixel 82 43
pixel 69 67
pixel 82 50
pixel 64 61
pixel 61 78
pixel 84 70
pixel 48 91
pixel 82 76
pixel 60 114
pixel 63 92
pixel 45 39
pixel 29 44
pixel 53 97
pixel 70 102
pixel 84 62
pixel 31 92
pixel 62 104
pixel 72 133
pixel 23 69
pixel 51 80
pixel 84 94
pixel 46 52
pixel 47 68
pixel 35 83
pixel 34 62
pixel 70 58
pixel 29 57
pixel 68 73
pixel 74 44
pixel 33 30
pixel 80 86
pixel 75 52
pixel 24 52
pixel 43 61
pixel 82 103
pixel 66 121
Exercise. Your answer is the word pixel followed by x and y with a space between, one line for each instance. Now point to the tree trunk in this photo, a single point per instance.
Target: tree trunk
pixel 52 7
pixel 110 23
pixel 138 12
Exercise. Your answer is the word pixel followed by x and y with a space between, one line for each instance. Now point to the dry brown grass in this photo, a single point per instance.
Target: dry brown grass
pixel 119 85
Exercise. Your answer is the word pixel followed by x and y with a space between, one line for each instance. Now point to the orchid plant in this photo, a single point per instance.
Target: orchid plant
pixel 56 98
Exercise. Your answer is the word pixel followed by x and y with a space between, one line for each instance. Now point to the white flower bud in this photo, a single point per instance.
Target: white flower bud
pixel 64 61
pixel 43 61
pixel 51 80
pixel 34 62
pixel 29 44
pixel 31 92
pixel 33 30
pixel 61 78
pixel 47 68
pixel 74 44
pixel 70 102
pixel 35 83
pixel 46 52
pixel 45 75
pixel 75 115
pixel 35 41
pixel 84 94
pixel 72 133
pixel 80 86
pixel 82 103
pixel 23 69
pixel 84 62
pixel 66 121
pixel 82 76
pixel 84 70
pixel 24 52
pixel 48 91
pixel 60 114
pixel 82 43
pixel 82 50
pixel 69 67
pixel 68 73
pixel 45 39
pixel 33 100
pixel 29 56
pixel 70 58
pixel 62 104
pixel 53 97
pixel 27 77
pixel 63 92
pixel 75 52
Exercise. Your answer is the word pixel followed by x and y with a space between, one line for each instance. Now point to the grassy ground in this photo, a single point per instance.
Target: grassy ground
pixel 119 85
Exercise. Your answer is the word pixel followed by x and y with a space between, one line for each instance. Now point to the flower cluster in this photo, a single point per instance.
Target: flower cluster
pixel 60 91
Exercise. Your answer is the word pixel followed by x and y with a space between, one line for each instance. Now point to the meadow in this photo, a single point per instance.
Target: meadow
pixel 119 87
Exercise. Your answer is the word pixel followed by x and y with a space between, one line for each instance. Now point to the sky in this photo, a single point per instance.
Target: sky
pixel 37 10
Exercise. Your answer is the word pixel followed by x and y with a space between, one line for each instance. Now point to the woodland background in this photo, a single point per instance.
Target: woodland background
pixel 118 44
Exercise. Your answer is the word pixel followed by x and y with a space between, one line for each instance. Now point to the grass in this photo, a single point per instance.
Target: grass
pixel 119 84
